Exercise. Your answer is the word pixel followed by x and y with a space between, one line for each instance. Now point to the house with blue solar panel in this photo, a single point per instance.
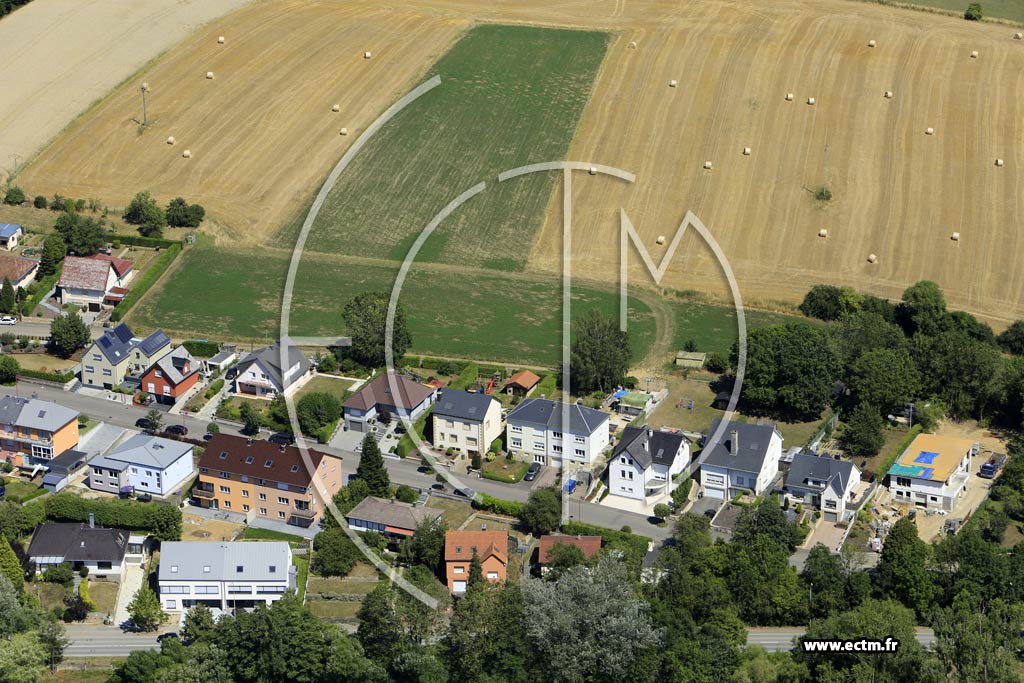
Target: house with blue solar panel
pixel 10 235
pixel 119 358
pixel 933 471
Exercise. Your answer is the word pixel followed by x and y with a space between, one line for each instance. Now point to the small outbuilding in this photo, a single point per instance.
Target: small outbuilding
pixel 691 359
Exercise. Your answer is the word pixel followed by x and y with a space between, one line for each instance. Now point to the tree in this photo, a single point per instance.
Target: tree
pixel 156 418
pixel 205 664
pixel 14 196
pixel 923 309
pixel 977 642
pixel 251 422
pixel 14 616
pixel 885 378
pixel 144 610
pixel 371 468
pixel 316 409
pixel 68 333
pixel 865 430
pixel 542 512
pixel 406 494
pixel 825 578
pixel 83 236
pixel 10 567
pixel 589 625
pixel 766 519
pixel 1012 338
pixel 334 553
pixel 8 369
pixel 8 301
pixel 662 511
pixel 147 214
pixel 562 557
pixel 827 302
pixel 54 250
pixel 181 214
pixel 477 647
pixel 475 579
pixel 39 202
pixel 22 658
pixel 599 353
pixel 426 546
pixel 54 640
pixel 75 608
pixel 199 624
pixel 973 12
pixel 903 573
pixel 966 374
pixel 365 318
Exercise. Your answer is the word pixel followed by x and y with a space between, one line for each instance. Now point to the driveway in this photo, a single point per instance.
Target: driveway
pixel 133 576
pixel 829 534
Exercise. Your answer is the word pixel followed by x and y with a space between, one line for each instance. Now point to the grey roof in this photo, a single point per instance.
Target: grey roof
pixel 67 461
pixel 34 413
pixel 149 451
pixel 391 513
pixel 116 343
pixel 648 446
pixel 548 413
pixel 77 542
pixel 221 356
pixel 835 473
pixel 172 365
pixel 752 448
pixel 463 405
pixel 102 462
pixel 9 229
pixel 270 358
pixel 154 342
pixel 258 560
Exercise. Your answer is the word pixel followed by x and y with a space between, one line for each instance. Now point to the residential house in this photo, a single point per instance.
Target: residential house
pixel 261 479
pixel 589 545
pixel 633 403
pixel 33 432
pixel 80 544
pixel 824 483
pixel 61 468
pixel 143 464
pixel 465 422
pixel 171 376
pixel 491 547
pixel 226 576
pixel 392 518
pixel 521 383
pixel 744 460
pixel 535 429
pixel 645 461
pixel 10 235
pixel 375 397
pixel 94 280
pixel 119 357
pixel 19 270
pixel 260 373
pixel 933 471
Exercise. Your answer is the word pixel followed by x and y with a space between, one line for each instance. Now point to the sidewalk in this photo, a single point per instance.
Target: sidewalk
pixel 208 411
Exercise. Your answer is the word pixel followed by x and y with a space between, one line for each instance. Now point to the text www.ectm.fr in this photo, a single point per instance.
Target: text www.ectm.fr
pixel 859 645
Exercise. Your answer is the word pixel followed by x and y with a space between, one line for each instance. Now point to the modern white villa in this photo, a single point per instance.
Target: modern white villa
pixel 933 471
pixel 745 460
pixel 644 462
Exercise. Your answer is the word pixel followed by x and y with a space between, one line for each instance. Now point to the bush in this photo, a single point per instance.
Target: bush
pixel 181 214
pixel 406 494
pixel 214 388
pixel 62 378
pixel 682 492
pixel 823 194
pixel 334 554
pixel 14 196
pixel 475 461
pixel 630 382
pixel 62 573
pixel 140 241
pixel 77 609
pixel 213 428
pixel 973 12
pixel 509 508
pixel 83 592
pixel 717 362
pixel 466 378
pixel 83 571
pixel 202 349
pixel 662 511
pixel 497 446
pixel 632 547
pixel 375 540
pixel 39 202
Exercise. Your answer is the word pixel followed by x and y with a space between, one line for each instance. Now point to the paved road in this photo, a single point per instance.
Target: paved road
pixel 779 638
pixel 92 640
pixel 40 327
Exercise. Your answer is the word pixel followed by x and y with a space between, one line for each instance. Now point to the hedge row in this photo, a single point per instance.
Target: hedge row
pixel 467 377
pixel 897 450
pixel 214 388
pixel 140 241
pixel 202 349
pixel 83 592
pixel 162 521
pixel 509 508
pixel 547 386
pixel 43 287
pixel 59 377
pixel 148 279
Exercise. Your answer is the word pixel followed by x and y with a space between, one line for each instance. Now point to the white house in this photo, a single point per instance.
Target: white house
pixel 644 462
pixel 745 460
pixel 94 280
pixel 228 575
pixel 535 430
pixel 10 235
pixel 261 373
pixel 824 483
pixel 80 544
pixel 933 471
pixel 466 422
pixel 143 464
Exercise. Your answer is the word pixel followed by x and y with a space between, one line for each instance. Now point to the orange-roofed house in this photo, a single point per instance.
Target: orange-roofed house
pixel 521 383
pixel 590 545
pixel 460 546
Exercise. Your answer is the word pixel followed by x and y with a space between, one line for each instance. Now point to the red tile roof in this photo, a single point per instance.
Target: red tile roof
pixel 590 545
pixel 524 379
pixel 282 459
pixel 459 545
pixel 121 266
pixel 15 267
pixel 84 273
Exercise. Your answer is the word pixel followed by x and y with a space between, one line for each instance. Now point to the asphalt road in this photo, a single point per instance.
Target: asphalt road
pixel 40 327
pixel 93 640
pixel 780 638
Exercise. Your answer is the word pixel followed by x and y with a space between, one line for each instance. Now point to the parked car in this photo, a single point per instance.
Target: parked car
pixel 180 430
pixel 437 487
pixel 144 498
pixel 231 373
pixel 146 424
pixel 531 473
pixel 207 436
pixel 282 439
pixel 8 320
pixel 710 514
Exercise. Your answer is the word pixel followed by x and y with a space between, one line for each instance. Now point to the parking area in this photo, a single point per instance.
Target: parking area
pixel 829 534
pixel 705 505
pixel 726 518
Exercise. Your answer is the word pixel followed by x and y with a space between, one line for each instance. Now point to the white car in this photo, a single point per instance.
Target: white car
pixel 8 320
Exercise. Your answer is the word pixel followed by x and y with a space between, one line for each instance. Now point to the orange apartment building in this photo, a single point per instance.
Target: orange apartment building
pixel 460 546
pixel 261 479
pixel 33 432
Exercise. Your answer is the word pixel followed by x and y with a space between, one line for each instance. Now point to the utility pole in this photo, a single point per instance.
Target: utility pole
pixel 144 89
pixel 16 158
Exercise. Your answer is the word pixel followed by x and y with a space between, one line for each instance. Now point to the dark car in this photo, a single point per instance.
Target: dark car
pixel 144 498
pixel 531 473
pixel 710 514
pixel 282 439
pixel 437 487
pixel 145 423
pixel 164 636
pixel 207 436
pixel 231 373
pixel 180 430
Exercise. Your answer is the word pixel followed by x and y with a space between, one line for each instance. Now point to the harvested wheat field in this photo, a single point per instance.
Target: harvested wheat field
pixel 60 56
pixel 261 133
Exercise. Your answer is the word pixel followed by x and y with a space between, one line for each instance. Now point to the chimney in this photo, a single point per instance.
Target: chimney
pixel 92 521
pixel 543 396
pixel 248 441
pixel 734 442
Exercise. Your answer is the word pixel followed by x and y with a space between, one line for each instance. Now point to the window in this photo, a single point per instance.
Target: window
pixel 245 508
pixel 248 460
pixel 903 481
pixel 206 590
pixel 830 504
pixel 89 368
pixel 239 589
pixel 167 390
pixel 557 435
pixel 263 511
pixel 175 590
pixel 269 463
pixel 104 565
pixel 280 515
pixel 281 500
pixel 538 445
pixel 239 569
pixel 225 489
pixel 449 424
pixel 174 569
pixel 204 470
pixel 225 475
pixel 158 373
pixel 206 569
pixel 223 455
pixel 516 429
pixel 227 504
pixel 556 448
pixel 517 443
pixel 273 569
pixel 172 604
pixel 492 575
pixel 135 470
pixel 245 493
pixel 263 496
pixel 96 356
pixel 580 451
pixel 107 372
pixel 270 589
pixel 295 468
pixel 458 570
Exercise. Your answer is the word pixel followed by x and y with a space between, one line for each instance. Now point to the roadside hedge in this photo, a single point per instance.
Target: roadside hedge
pixel 509 508
pixel 59 377
pixel 163 522
pixel 202 349
pixel 148 279
pixel 140 241
pixel 43 287
pixel 214 388
pixel 467 377
pixel 83 592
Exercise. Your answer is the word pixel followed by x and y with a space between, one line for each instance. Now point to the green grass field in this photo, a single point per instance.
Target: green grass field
pixel 1001 9
pixel 714 327
pixel 509 96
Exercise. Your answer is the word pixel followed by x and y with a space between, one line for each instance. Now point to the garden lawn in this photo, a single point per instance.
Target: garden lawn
pixel 713 327
pixel 500 469
pixel 302 563
pixel 19 491
pixel 43 362
pixel 104 594
pixel 327 385
pixel 455 512
pixel 254 534
pixel 50 595
pixel 334 609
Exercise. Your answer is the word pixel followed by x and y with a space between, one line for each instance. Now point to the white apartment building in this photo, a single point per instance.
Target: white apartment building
pixel 465 422
pixel 535 430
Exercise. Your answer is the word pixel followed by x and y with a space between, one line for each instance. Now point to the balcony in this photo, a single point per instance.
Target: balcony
pixel 202 493
pixel 303 513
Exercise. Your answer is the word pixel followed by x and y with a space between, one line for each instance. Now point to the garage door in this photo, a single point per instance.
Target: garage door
pixel 354 426
pixel 458 587
pixel 714 493
pixel 831 517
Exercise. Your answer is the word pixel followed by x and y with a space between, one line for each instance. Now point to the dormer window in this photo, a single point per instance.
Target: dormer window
pixel 269 463
pixel 248 461
pixel 239 569
pixel 223 455
pixel 174 569
pixel 273 569
pixel 295 468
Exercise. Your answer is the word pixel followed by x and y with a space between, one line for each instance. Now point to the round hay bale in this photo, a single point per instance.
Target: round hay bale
pixel 336 108
pixel 145 86
pixel 220 40
pixel 811 100
pixel 367 55
pixel 872 258
pixel 871 43
pixel 823 233
pixel 999 162
pixel 632 45
pixel 187 154
pixel 344 131
pixel 789 97
pixel 673 83
pixel 929 131
pixel 955 237
pixel 209 75
pixel 707 165
pixel 888 94
pixel 1018 36
pixel 746 151
pixel 661 239
pixel 974 54
pixel 170 140
pixel 593 171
